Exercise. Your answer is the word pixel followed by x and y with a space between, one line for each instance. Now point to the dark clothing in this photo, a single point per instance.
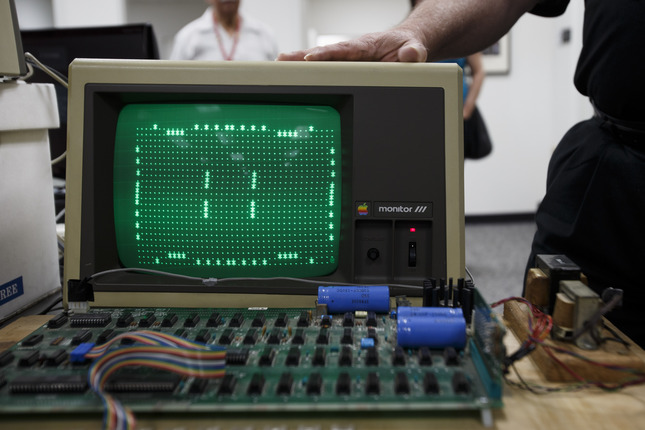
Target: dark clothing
pixel 594 207
pixel 550 8
pixel 610 67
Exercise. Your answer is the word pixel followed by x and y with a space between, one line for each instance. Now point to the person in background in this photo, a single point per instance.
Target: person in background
pixel 593 208
pixel 221 33
pixel 472 87
pixel 477 143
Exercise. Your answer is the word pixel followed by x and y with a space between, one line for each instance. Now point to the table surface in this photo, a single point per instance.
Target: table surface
pixel 589 409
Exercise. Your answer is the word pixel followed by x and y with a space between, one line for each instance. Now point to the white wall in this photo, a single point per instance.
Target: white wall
pixel 355 17
pixel 527 111
pixel 33 14
pixel 87 13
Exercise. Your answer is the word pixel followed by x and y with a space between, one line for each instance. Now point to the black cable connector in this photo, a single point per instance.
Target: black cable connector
pixel 80 291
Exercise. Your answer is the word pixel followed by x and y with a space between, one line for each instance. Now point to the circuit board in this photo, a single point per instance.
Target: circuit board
pixel 284 360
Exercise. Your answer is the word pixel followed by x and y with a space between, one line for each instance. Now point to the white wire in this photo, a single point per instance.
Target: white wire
pixel 54 75
pixel 213 281
pixel 60 214
pixel 60 158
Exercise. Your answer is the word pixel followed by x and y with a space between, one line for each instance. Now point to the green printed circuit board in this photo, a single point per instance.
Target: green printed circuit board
pixel 276 361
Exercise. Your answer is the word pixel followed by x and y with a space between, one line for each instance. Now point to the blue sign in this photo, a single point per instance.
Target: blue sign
pixel 11 290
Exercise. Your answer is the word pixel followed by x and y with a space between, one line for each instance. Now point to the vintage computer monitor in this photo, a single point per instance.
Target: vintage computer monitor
pixel 273 178
pixel 58 47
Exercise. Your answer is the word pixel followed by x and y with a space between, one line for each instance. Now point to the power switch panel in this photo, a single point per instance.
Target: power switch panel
pixel 412 251
pixel 412 254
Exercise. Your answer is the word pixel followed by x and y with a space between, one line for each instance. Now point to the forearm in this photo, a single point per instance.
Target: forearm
pixel 435 30
pixel 456 28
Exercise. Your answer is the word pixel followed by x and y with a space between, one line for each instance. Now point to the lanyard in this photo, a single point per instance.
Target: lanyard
pixel 236 37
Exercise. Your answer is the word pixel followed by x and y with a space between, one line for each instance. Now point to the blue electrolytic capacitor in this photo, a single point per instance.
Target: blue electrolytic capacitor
pixel 432 331
pixel 350 299
pixel 430 311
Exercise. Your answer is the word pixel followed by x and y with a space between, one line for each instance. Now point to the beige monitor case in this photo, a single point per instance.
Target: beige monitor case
pixel 93 79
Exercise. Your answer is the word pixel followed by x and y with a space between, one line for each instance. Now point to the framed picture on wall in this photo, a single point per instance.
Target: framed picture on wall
pixel 497 57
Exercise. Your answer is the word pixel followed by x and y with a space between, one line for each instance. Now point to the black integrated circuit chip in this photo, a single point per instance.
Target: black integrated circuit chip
pixel 131 382
pixel 49 384
pixel 90 320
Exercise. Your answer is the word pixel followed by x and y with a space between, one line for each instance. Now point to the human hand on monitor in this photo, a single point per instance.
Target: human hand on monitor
pixel 434 30
pixel 395 45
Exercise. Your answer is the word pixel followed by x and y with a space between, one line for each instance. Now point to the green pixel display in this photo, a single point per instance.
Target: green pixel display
pixel 228 190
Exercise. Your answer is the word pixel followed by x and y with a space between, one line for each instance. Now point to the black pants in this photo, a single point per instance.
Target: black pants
pixel 594 212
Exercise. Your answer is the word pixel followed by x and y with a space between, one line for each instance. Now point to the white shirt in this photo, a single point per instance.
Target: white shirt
pixel 198 41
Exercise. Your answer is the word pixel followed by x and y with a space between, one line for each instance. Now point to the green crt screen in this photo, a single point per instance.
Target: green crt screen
pixel 228 190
